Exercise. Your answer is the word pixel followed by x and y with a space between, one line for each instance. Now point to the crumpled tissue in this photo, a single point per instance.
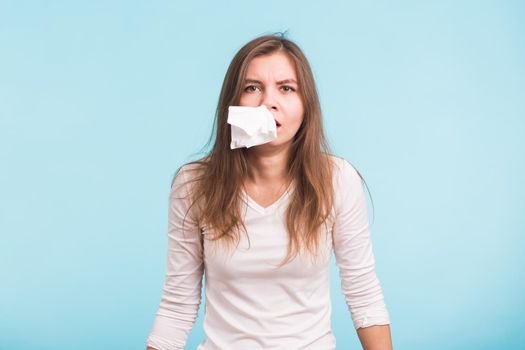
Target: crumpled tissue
pixel 251 126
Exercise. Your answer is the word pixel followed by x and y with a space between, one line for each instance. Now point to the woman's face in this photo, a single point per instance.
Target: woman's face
pixel 271 80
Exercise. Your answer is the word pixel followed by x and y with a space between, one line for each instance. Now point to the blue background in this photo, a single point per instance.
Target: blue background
pixel 101 101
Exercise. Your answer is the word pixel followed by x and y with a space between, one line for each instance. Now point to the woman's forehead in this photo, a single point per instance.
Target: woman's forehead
pixel 272 68
pixel 278 82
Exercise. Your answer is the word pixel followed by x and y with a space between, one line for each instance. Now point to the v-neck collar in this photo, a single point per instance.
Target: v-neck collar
pixel 262 210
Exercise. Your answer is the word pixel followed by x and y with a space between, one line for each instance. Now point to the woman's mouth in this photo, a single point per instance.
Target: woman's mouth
pixel 277 124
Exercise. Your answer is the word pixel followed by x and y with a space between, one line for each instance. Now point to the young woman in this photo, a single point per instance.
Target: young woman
pixel 261 224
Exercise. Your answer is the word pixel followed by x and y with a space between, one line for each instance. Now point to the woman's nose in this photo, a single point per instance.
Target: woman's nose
pixel 269 100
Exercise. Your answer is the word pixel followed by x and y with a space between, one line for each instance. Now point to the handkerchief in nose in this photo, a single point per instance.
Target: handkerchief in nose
pixel 251 126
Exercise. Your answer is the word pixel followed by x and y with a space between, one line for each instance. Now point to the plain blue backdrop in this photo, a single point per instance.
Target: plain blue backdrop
pixel 101 101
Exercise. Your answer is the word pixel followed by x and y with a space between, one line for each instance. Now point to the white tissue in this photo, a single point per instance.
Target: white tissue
pixel 251 126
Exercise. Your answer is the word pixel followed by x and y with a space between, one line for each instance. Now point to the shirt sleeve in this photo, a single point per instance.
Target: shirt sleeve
pixel 181 294
pixel 353 252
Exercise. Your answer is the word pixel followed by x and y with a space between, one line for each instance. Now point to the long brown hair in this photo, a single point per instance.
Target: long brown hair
pixel 218 176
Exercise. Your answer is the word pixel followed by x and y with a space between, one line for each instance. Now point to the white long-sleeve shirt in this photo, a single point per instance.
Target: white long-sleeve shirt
pixel 251 304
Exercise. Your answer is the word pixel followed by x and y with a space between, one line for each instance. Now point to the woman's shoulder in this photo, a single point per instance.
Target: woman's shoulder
pixel 344 172
pixel 337 161
pixel 340 164
pixel 186 172
pixel 193 168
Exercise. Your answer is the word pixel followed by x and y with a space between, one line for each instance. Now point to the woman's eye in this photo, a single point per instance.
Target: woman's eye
pixel 250 88
pixel 253 88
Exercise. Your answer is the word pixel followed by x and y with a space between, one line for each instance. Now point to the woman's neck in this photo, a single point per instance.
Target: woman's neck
pixel 267 167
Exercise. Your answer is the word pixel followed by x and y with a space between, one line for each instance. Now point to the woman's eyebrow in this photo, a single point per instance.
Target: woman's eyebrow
pixel 285 81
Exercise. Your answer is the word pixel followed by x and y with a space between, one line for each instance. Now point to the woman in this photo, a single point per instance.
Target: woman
pixel 261 223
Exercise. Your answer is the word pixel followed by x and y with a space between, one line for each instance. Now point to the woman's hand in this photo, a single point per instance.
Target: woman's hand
pixel 375 337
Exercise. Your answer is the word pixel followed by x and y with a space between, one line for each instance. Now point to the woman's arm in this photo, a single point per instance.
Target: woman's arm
pixel 355 259
pixel 375 337
pixel 181 295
